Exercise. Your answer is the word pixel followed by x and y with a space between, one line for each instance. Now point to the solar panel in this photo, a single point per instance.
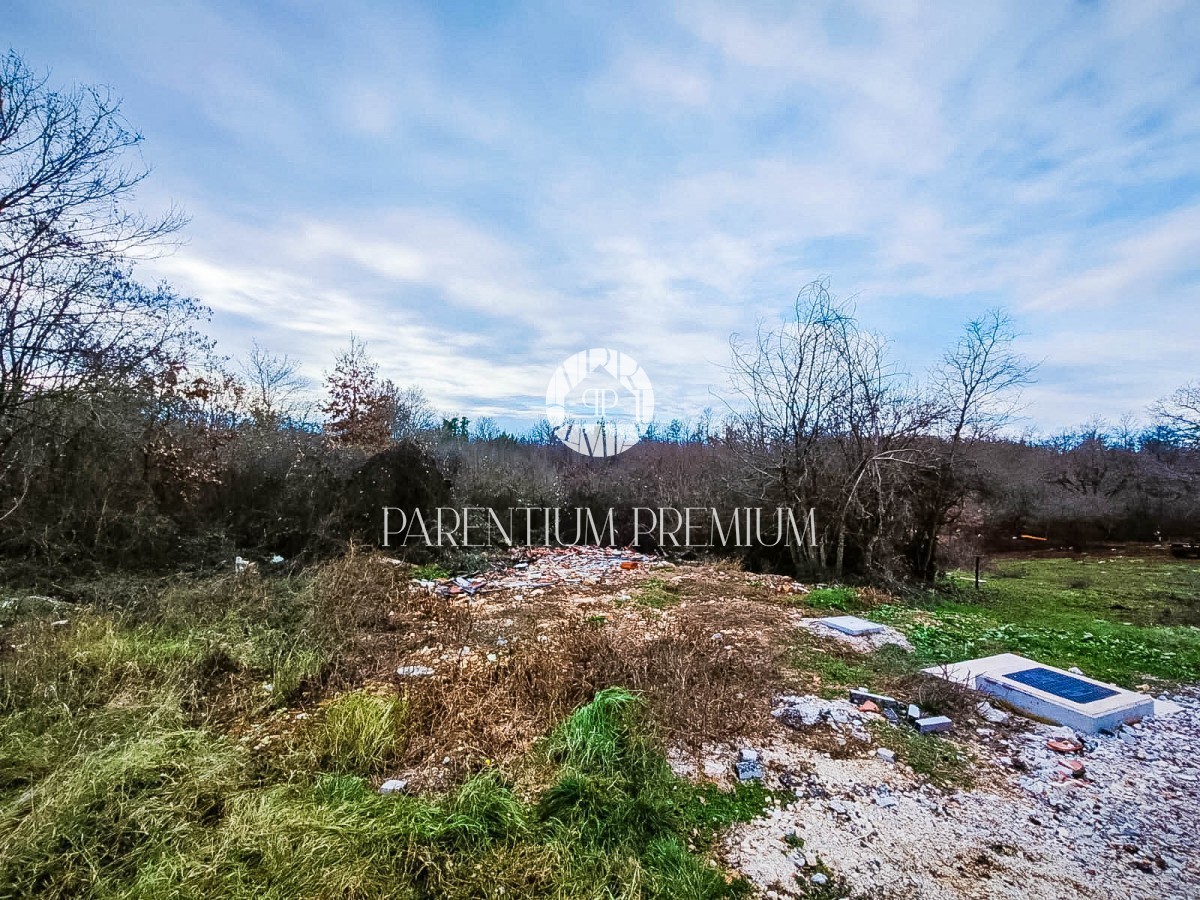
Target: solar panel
pixel 1066 686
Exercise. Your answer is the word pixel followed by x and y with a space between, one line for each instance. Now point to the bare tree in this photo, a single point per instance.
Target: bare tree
pixel 976 391
pixel 486 429
pixel 1180 414
pixel 70 314
pixel 273 387
pixel 825 422
pixel 409 412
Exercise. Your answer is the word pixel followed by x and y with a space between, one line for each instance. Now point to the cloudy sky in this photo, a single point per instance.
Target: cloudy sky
pixel 480 190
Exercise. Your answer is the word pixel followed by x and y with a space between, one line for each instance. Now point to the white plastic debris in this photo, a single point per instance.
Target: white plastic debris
pixel 414 671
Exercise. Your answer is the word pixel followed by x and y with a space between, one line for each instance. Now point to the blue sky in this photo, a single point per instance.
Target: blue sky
pixel 481 190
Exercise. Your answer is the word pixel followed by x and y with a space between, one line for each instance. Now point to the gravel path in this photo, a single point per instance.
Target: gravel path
pixel 1129 828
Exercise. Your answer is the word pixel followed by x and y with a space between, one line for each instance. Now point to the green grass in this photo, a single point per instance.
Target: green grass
pixel 118 780
pixel 1117 619
pixel 102 814
pixel 430 572
pixel 941 761
pixel 1140 591
pixel 656 594
pixel 844 599
pixel 358 732
pixel 840 670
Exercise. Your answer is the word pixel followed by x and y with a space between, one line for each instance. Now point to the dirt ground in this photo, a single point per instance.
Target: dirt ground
pixel 491 663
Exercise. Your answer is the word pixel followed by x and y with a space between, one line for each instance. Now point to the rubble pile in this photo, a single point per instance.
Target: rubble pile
pixel 844 718
pixel 536 569
pixel 1079 815
pixel 864 643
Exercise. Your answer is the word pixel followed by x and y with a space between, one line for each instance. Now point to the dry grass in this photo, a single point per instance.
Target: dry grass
pixel 699 685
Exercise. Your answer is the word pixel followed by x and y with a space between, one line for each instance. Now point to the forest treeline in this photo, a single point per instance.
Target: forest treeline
pixel 126 439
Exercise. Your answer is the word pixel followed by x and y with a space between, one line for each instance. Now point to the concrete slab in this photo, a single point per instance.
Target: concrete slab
pixel 852 625
pixel 1045 692
pixel 1166 707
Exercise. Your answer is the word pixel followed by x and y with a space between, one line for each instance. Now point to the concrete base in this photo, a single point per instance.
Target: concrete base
pixel 852 625
pixel 990 675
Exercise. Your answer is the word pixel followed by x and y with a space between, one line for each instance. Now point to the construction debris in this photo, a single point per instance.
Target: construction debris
pixel 1062 745
pixel 538 568
pixel 747 767
pixel 807 711
pixel 934 724
pixel 414 671
pixel 852 625
pixel 862 695
pixel 864 642
pixel 989 713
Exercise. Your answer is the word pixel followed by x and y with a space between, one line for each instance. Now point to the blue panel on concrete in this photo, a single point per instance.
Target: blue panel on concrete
pixel 1074 689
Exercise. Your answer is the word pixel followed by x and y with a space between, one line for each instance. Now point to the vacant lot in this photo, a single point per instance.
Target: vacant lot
pixel 227 736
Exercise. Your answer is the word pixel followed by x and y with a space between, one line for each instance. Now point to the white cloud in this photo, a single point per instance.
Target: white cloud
pixel 479 204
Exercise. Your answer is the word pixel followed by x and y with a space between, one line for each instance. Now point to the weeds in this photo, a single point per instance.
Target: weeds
pixel 429 572
pixel 102 814
pixel 941 761
pixel 358 732
pixel 840 598
pixel 832 670
pixel 122 775
pixel 656 594
pixel 169 811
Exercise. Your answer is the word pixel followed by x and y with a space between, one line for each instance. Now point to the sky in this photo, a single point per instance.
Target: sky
pixel 481 190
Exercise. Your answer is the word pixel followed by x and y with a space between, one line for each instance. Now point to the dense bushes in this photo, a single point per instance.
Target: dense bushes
pixel 103 495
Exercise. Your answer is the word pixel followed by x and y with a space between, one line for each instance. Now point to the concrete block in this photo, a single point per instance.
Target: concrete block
pixel 1101 707
pixel 414 671
pixel 748 770
pixel 934 724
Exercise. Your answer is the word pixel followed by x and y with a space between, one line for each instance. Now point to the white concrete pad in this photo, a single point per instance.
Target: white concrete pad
pixel 1166 707
pixel 852 625
pixel 1001 677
